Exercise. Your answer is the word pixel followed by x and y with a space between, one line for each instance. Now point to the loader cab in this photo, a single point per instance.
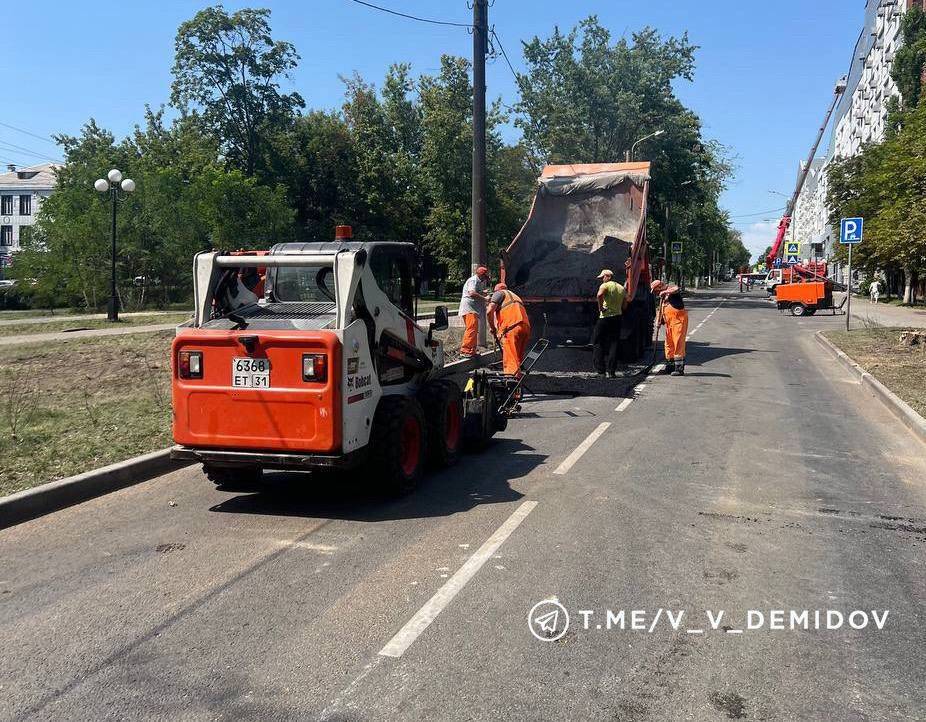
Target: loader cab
pixel 393 265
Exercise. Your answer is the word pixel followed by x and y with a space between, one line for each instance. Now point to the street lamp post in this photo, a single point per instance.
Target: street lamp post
pixel 112 184
pixel 633 148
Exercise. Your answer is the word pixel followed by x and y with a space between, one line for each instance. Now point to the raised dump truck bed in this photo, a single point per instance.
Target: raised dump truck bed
pixel 584 218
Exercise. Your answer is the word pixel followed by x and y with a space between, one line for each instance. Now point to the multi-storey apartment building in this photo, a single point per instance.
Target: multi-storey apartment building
pixel 21 193
pixel 860 116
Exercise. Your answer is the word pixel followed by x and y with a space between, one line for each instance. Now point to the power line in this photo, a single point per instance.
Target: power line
pixel 28 132
pixel 760 213
pixel 5 159
pixel 12 146
pixel 412 17
pixel 501 47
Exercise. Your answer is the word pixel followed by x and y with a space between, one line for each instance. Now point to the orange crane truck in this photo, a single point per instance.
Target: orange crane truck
pixel 309 357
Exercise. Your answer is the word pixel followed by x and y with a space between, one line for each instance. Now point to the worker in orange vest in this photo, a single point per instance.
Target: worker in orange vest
pixel 673 314
pixel 510 325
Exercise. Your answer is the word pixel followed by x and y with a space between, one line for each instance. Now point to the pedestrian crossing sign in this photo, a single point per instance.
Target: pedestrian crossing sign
pixel 793 248
pixel 792 258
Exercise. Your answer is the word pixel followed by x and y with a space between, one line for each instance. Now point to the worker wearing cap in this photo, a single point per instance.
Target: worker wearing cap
pixel 510 325
pixel 606 336
pixel 473 308
pixel 673 314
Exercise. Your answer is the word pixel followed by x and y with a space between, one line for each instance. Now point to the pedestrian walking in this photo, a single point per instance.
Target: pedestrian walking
pixel 511 326
pixel 472 309
pixel 875 290
pixel 607 333
pixel 673 314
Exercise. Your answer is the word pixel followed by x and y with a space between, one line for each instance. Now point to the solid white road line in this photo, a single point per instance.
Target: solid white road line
pixel 435 605
pixel 570 460
pixel 624 404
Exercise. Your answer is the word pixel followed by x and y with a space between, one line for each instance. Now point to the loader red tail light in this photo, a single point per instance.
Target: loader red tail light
pixel 314 367
pixel 190 364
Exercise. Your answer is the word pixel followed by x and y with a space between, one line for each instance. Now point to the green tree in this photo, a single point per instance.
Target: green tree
pixel 909 63
pixel 186 201
pixel 228 67
pixel 385 132
pixel 886 184
pixel 587 98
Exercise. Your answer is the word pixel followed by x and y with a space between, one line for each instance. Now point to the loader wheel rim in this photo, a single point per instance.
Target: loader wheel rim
pixel 410 455
pixel 453 426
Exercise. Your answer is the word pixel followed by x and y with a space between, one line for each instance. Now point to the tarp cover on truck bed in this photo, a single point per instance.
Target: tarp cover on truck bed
pixel 584 218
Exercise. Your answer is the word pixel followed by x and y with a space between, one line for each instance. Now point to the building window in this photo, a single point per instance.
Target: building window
pixel 25 235
pixel 6 235
pixel 25 205
pixel 6 205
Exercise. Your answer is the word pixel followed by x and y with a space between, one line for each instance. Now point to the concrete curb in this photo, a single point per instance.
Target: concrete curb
pixel 55 495
pixel 900 408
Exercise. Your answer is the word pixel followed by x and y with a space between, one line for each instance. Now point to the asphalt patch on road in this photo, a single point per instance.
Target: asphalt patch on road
pixel 729 703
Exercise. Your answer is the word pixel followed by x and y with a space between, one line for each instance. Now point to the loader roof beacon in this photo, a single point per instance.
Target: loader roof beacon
pixel 584 217
pixel 308 356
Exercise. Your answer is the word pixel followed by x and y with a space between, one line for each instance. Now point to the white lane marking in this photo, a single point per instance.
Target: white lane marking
pixel 406 636
pixel 695 631
pixel 639 388
pixel 624 404
pixel 570 460
pixel 658 370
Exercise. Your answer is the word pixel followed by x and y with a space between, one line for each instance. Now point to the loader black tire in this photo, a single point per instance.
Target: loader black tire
pixel 234 478
pixel 397 445
pixel 442 403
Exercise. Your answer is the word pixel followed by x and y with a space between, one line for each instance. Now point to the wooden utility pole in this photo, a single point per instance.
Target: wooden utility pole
pixel 480 50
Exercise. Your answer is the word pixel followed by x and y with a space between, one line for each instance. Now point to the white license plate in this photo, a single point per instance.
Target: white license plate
pixel 251 373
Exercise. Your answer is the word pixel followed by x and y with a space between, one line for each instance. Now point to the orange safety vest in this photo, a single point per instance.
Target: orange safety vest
pixel 511 313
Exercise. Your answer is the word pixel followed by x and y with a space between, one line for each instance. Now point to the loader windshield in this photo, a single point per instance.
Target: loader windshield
pixel 303 284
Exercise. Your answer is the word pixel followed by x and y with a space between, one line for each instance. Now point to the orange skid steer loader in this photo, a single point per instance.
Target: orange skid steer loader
pixel 309 357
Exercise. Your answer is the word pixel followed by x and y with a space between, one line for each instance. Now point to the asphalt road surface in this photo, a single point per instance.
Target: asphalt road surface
pixel 766 480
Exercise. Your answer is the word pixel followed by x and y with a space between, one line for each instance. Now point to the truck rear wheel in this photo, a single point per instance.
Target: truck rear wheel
pixel 397 444
pixel 234 478
pixel 798 309
pixel 443 413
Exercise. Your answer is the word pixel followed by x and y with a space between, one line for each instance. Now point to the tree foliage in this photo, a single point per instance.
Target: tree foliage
pixel 886 184
pixel 228 67
pixel 910 59
pixel 244 166
pixel 186 201
pixel 586 98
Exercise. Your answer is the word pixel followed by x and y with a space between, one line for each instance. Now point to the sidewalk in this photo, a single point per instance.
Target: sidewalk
pixel 76 317
pixel 71 335
pixel 866 313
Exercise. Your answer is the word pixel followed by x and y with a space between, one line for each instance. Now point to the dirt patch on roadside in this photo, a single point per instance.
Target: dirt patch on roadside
pixel 879 351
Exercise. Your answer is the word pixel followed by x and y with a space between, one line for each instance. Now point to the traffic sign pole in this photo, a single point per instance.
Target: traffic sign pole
pixel 849 289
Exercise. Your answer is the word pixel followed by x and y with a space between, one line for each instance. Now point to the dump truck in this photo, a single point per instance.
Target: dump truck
pixel 308 356
pixel 584 218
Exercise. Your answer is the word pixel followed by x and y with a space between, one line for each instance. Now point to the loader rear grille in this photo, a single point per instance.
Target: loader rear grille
pixel 287 311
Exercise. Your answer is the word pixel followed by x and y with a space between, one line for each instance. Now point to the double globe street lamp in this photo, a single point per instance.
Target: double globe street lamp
pixel 112 184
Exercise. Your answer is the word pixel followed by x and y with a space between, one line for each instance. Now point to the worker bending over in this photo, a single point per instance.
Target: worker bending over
pixel 511 326
pixel 606 336
pixel 672 313
pixel 472 309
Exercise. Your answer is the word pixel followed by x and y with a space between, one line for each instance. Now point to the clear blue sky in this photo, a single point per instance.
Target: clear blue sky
pixel 765 70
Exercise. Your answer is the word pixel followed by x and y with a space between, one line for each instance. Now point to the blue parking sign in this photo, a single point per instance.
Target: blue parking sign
pixel 850 230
